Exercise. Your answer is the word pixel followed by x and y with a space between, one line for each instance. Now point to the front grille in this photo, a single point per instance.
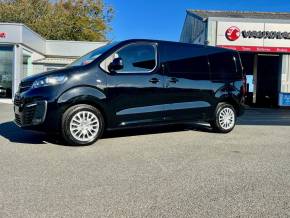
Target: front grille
pixel 26 118
pixel 17 102
pixel 28 115
pixel 25 85
pixel 18 119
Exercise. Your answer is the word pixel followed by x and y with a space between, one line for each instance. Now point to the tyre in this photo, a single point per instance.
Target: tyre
pixel 224 119
pixel 82 125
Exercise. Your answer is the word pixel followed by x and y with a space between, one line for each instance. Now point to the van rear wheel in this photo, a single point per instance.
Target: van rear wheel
pixel 224 119
pixel 82 125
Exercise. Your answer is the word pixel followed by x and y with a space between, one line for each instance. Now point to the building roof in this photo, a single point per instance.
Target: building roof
pixel 18 33
pixel 241 14
pixel 60 61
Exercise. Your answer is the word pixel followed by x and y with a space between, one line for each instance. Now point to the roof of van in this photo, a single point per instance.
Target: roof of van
pixel 152 40
pixel 240 14
pixel 173 42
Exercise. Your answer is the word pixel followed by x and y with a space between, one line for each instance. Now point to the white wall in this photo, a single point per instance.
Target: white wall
pixel 17 33
pixel 70 48
pixel 13 33
pixel 33 40
pixel 285 77
pixel 211 32
pixel 16 68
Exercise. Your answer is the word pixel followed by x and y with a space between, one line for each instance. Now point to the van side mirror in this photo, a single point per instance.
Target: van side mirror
pixel 116 64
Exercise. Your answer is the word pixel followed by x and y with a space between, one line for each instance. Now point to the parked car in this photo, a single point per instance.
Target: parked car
pixel 2 92
pixel 131 84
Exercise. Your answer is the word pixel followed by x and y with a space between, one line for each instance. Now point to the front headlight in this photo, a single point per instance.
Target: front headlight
pixel 49 81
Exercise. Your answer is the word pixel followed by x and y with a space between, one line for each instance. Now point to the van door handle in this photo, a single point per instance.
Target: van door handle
pixel 154 80
pixel 173 80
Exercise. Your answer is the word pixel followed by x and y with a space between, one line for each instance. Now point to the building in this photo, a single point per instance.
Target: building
pixel 23 52
pixel 263 40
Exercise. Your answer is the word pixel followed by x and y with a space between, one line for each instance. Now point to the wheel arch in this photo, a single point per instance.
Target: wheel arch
pixel 84 95
pixel 232 101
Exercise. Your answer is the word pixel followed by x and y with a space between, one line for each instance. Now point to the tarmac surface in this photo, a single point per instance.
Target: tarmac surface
pixel 173 171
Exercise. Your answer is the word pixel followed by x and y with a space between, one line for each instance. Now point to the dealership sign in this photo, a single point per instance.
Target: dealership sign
pixel 233 33
pixel 266 34
pixel 256 37
pixel 3 35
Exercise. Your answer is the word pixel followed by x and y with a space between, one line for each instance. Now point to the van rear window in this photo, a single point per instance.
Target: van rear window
pixel 186 61
pixel 225 66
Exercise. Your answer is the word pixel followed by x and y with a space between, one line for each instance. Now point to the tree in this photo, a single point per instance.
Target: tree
pixel 61 19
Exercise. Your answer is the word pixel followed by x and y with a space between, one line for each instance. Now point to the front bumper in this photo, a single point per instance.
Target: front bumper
pixel 30 114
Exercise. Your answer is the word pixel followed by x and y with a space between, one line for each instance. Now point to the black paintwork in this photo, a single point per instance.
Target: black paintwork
pixel 128 100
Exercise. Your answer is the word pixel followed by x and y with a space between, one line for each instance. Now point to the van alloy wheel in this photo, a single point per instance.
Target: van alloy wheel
pixel 227 118
pixel 84 126
pixel 224 118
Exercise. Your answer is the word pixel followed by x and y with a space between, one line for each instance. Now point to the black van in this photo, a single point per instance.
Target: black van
pixel 134 83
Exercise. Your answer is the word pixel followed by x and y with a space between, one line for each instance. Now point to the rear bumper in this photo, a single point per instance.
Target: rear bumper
pixel 241 110
pixel 31 114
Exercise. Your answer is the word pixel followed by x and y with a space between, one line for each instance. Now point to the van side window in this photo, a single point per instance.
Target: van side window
pixel 188 62
pixel 137 58
pixel 224 66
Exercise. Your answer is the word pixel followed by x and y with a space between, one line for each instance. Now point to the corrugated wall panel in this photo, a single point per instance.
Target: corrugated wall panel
pixel 194 30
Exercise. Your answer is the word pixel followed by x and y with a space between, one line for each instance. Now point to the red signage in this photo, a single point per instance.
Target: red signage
pixel 233 33
pixel 2 35
pixel 257 48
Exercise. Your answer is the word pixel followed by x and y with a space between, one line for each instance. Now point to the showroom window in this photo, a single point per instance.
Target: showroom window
pixel 6 69
pixel 27 67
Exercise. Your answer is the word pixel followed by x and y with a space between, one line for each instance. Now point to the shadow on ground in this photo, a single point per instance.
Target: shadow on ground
pixel 13 133
pixel 266 117
pixel 157 130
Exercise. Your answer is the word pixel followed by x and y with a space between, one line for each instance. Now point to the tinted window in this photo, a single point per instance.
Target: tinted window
pixel 225 66
pixel 91 56
pixel 137 58
pixel 187 61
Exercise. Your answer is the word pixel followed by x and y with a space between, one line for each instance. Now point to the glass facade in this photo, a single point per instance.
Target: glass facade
pixel 6 71
pixel 27 66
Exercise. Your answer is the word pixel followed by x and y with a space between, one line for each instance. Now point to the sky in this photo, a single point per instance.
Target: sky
pixel 161 19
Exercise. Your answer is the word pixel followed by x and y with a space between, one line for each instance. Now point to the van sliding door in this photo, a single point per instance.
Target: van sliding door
pixel 187 82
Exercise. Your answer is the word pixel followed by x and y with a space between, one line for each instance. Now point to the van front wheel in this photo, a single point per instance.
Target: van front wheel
pixel 225 118
pixel 82 125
